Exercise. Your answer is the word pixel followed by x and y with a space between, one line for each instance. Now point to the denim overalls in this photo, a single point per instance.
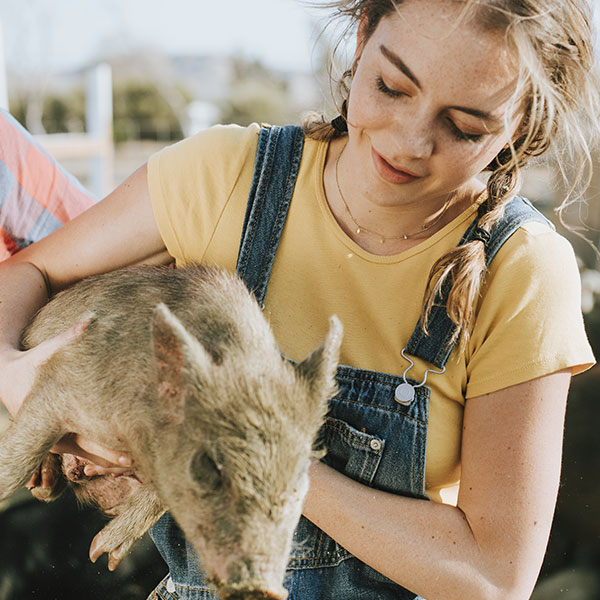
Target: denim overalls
pixel 370 436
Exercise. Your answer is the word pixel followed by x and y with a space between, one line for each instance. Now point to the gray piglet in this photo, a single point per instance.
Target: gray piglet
pixel 179 368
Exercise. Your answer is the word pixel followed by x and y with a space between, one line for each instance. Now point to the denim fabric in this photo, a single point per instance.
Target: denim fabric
pixel 167 590
pixel 184 567
pixel 436 346
pixel 161 592
pixel 277 162
pixel 368 435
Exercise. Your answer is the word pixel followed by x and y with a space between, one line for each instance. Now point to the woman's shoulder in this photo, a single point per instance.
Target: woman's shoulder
pixel 536 250
pixel 529 321
pixel 214 142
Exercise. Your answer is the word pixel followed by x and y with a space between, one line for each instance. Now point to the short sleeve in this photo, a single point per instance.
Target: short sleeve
pixel 191 182
pixel 529 322
pixel 37 195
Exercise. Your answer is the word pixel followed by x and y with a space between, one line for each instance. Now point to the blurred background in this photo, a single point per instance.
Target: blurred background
pixel 103 84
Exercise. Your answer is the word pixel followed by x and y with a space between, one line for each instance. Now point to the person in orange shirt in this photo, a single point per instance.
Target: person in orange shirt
pixel 37 195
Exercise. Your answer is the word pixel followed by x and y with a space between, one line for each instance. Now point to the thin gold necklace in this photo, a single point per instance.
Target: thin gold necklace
pixel 382 239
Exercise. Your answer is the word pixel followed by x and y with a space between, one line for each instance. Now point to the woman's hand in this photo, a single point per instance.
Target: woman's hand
pixel 103 461
pixel 18 369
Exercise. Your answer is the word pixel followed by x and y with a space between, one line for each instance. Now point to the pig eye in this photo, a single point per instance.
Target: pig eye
pixel 206 471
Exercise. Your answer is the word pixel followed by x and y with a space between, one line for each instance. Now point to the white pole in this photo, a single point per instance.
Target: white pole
pixel 3 84
pixel 99 118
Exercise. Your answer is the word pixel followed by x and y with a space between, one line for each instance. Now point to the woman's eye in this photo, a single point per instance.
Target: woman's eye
pixel 382 87
pixel 459 134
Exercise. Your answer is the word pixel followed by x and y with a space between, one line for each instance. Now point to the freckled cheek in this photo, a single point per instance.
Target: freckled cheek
pixel 475 160
pixel 366 107
pixel 363 114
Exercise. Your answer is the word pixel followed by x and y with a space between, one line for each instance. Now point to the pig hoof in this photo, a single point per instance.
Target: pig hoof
pixel 113 561
pixel 100 545
pixel 96 549
pixel 46 494
pixel 40 493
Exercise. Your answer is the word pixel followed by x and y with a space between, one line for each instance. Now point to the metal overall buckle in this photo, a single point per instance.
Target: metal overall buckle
pixel 405 392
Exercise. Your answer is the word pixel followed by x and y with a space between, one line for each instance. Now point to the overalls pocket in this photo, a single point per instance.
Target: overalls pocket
pixel 372 439
pixel 355 453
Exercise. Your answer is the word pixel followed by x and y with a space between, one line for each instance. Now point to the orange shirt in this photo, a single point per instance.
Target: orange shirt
pixel 36 194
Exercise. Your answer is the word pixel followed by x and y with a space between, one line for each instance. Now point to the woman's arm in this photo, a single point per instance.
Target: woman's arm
pixel 490 546
pixel 116 232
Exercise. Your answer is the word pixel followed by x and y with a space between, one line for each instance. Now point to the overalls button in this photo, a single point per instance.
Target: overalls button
pixel 404 394
pixel 375 444
pixel 170 586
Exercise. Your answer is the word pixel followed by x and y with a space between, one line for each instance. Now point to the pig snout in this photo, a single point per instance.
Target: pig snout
pixel 256 595
pixel 248 579
pixel 252 591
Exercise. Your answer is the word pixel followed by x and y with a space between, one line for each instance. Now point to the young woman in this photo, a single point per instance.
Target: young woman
pixel 453 369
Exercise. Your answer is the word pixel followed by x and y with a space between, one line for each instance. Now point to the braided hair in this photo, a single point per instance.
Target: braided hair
pixel 559 98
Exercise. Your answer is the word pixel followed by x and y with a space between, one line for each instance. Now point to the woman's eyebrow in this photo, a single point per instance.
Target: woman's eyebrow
pixel 399 64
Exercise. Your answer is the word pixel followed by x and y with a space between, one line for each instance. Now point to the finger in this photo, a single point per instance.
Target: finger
pixel 46 349
pixel 92 451
pixel 92 470
pixel 102 456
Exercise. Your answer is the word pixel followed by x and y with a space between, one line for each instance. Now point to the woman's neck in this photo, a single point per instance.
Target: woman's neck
pixel 384 227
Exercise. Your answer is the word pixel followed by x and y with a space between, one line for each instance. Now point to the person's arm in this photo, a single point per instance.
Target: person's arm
pixel 116 232
pixel 491 546
pixel 37 195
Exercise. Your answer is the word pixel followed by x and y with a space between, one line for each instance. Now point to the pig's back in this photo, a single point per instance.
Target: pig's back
pixel 207 300
pixel 115 355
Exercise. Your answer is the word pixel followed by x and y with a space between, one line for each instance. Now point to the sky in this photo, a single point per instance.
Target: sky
pixel 61 35
pixel 45 36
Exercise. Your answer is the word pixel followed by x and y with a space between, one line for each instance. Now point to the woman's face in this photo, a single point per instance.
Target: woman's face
pixel 428 102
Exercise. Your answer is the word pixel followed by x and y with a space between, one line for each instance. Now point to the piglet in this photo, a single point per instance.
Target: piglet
pixel 179 368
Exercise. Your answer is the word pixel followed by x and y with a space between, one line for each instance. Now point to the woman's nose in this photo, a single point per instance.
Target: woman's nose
pixel 413 137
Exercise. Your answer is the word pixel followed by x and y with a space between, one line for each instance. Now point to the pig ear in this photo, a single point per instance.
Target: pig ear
pixel 176 351
pixel 319 367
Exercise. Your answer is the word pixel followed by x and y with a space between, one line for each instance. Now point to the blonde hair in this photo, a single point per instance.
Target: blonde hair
pixel 560 97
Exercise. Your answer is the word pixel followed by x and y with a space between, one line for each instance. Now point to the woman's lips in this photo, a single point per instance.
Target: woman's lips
pixel 389 173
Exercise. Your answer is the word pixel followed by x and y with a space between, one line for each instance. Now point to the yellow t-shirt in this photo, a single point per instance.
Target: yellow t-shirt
pixel 528 323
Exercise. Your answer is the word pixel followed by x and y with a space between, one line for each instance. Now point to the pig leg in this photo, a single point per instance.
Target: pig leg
pixel 136 515
pixel 51 463
pixel 26 442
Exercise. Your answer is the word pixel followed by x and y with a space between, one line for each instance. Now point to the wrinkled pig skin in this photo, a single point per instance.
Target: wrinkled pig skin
pixel 179 368
pixel 105 491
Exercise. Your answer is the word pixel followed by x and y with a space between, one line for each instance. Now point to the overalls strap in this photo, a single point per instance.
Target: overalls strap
pixel 436 346
pixel 276 168
pixel 277 162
